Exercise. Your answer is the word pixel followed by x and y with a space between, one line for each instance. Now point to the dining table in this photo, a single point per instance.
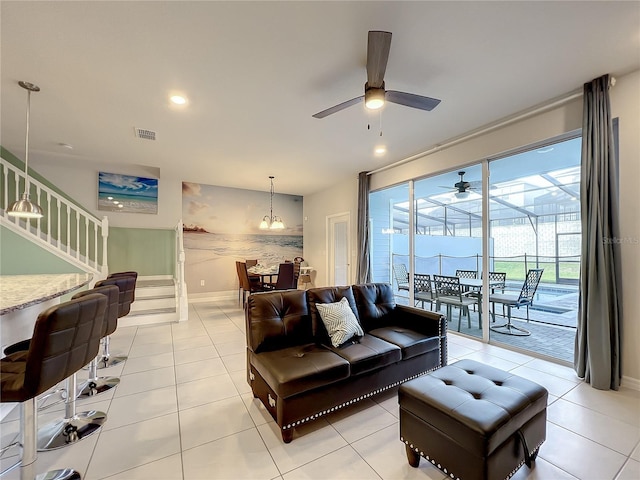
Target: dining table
pixel 264 271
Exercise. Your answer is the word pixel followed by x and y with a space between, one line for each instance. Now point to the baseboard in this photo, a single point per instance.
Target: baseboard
pixel 206 296
pixel 155 277
pixel 630 383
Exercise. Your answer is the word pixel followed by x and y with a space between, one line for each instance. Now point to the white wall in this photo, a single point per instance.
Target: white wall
pixel 341 198
pixel 78 178
pixel 625 98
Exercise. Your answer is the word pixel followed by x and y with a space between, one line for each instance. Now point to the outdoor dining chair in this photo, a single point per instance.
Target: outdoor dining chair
pixel 525 298
pixel 401 275
pixel 450 292
pixel 423 292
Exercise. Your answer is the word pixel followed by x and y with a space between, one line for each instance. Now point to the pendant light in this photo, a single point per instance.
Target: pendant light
pixel 24 208
pixel 271 222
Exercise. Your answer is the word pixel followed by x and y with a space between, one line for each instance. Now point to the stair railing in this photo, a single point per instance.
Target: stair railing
pixel 66 230
pixel 183 303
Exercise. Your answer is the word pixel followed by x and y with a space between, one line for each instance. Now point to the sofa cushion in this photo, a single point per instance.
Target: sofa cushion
pixel 278 319
pixel 410 342
pixel 327 295
pixel 375 303
pixel 293 370
pixel 340 322
pixel 368 353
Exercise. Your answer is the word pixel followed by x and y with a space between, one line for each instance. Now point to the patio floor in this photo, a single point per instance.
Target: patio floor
pixel 552 325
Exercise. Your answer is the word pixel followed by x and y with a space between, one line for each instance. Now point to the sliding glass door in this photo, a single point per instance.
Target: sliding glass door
pixel 427 240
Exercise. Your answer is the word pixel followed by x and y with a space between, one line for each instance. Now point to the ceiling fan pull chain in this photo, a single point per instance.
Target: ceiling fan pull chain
pixel 380 122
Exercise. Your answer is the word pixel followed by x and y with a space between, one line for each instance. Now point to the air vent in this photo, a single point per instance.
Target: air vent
pixel 145 134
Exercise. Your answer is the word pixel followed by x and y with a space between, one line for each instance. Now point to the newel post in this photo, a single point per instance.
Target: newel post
pixel 104 268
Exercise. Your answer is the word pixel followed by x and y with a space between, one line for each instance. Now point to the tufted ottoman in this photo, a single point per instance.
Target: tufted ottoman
pixel 472 421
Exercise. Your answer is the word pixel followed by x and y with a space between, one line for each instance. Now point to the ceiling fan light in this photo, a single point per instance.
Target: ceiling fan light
pixel 462 195
pixel 374 98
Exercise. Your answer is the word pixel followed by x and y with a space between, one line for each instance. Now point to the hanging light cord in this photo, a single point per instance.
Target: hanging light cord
pixel 26 145
pixel 271 202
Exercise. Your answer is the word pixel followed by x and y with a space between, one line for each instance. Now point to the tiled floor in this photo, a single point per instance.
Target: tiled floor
pixel 183 410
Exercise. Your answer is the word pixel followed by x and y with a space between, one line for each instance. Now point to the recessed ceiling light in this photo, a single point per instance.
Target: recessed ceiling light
pixel 120 205
pixel 380 150
pixel 545 150
pixel 65 145
pixel 178 99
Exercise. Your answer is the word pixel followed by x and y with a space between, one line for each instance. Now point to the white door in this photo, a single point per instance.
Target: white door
pixel 338 248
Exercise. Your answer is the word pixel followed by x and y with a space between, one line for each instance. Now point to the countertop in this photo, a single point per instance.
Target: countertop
pixel 22 291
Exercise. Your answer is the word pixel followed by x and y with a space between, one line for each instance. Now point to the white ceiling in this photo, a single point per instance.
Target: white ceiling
pixel 255 72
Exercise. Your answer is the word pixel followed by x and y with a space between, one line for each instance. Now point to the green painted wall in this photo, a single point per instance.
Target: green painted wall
pixel 19 256
pixel 144 250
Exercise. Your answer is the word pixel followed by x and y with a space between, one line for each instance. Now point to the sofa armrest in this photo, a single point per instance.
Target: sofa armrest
pixel 428 323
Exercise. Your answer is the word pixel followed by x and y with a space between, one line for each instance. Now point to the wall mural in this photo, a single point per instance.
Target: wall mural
pixel 221 226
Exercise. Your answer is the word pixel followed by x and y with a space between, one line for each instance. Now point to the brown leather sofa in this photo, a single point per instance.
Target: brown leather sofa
pixel 299 376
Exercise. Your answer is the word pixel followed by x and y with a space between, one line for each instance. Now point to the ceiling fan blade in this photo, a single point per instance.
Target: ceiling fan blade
pixel 337 108
pixel 378 47
pixel 411 100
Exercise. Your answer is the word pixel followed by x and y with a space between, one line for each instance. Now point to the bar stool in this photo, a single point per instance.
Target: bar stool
pixel 95 385
pixel 126 274
pixel 65 338
pixel 126 285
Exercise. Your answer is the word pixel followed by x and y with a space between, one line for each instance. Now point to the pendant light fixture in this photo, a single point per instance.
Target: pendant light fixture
pixel 24 208
pixel 271 222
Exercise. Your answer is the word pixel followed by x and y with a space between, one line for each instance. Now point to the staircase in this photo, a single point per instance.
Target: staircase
pixel 156 302
pixel 66 230
pixel 73 234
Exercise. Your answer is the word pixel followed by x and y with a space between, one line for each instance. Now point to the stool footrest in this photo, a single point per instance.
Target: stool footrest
pixel 68 431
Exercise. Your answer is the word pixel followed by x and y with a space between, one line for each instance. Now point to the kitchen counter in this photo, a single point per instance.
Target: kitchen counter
pixel 21 291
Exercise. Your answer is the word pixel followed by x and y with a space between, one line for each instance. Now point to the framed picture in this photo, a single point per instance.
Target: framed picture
pixel 127 193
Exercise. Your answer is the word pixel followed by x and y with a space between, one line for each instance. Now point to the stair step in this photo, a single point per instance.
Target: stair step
pixel 146 292
pixel 143 304
pixel 155 297
pixel 149 317
pixel 151 311
pixel 146 283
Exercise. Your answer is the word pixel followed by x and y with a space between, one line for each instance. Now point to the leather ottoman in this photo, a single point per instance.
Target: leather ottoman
pixel 472 421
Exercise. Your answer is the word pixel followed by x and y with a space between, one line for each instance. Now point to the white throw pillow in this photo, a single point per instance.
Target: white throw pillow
pixel 340 321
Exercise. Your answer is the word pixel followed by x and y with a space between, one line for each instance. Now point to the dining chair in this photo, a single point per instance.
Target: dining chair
pixel 423 292
pixel 251 263
pixel 527 294
pixel 450 292
pixel 401 275
pixel 285 279
pixel 498 281
pixel 297 261
pixel 466 274
pixel 248 286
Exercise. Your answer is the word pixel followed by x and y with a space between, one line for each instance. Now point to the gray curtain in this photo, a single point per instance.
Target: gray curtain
pixel 597 349
pixel 364 267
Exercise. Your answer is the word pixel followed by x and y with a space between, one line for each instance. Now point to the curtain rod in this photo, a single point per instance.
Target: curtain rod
pixel 474 133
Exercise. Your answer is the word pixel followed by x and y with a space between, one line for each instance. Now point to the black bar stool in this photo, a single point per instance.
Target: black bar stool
pixel 126 285
pixel 65 338
pixel 95 385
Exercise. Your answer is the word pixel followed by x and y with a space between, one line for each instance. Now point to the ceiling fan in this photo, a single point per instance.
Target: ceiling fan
pixel 375 94
pixel 462 189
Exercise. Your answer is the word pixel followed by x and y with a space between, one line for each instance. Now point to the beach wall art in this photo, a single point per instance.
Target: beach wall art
pixel 127 193
pixel 221 226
